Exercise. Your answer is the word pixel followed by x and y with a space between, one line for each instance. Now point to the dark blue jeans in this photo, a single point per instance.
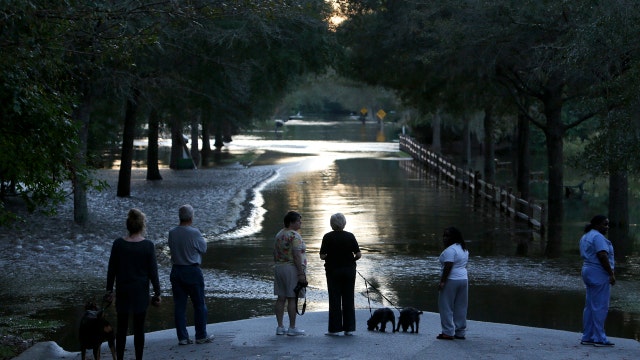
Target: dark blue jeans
pixel 340 284
pixel 188 282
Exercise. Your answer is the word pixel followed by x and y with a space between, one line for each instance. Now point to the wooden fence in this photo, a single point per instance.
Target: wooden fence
pixel 504 199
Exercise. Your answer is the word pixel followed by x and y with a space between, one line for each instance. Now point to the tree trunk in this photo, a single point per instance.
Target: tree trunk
pixel 619 215
pixel 176 143
pixel 217 142
pixel 206 145
pixel 195 153
pixel 466 141
pixel 153 171
pixel 82 117
pixel 436 143
pixel 523 160
pixel 205 153
pixel 489 148
pixel 554 132
pixel 128 134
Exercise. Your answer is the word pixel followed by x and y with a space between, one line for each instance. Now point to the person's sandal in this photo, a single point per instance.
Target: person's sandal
pixel 444 337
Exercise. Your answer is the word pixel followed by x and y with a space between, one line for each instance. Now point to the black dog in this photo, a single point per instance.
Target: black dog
pixel 408 317
pixel 94 330
pixel 381 316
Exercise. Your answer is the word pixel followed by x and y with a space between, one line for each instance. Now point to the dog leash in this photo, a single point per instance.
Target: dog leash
pixel 367 284
pixel 368 298
pixel 304 305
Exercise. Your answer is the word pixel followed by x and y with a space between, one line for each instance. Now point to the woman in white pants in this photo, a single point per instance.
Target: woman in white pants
pixel 453 294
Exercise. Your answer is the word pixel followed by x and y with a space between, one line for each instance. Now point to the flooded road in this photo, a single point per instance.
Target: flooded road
pixel 397 215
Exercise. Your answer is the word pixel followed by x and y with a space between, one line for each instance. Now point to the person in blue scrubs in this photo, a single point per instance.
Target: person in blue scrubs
pixel 598 276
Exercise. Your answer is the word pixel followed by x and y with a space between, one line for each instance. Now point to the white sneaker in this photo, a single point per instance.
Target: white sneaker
pixel 280 330
pixel 295 332
pixel 333 334
pixel 207 340
pixel 348 333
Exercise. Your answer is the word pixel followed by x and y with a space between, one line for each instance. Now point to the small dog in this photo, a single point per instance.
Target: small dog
pixel 381 316
pixel 408 317
pixel 94 330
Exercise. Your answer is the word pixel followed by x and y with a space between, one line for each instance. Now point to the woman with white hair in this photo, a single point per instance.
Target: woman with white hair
pixel 340 251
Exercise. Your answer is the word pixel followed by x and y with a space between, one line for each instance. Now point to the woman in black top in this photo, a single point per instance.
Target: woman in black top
pixel 132 266
pixel 340 250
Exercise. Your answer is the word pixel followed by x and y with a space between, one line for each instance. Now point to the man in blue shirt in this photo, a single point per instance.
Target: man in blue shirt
pixel 187 246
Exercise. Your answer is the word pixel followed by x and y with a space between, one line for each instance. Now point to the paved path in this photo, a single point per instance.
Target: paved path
pixel 256 339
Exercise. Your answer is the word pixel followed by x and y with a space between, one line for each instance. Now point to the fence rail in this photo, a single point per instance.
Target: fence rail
pixel 504 199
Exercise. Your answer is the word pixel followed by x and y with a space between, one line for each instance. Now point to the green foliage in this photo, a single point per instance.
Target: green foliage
pixel 37 138
pixel 19 332
pixel 330 93
pixel 62 58
pixel 605 47
pixel 560 64
pixel 235 62
pixel 427 52
pixel 610 148
pixel 453 55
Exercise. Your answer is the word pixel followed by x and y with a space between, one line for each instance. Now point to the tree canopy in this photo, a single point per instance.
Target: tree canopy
pixel 559 63
pixel 69 67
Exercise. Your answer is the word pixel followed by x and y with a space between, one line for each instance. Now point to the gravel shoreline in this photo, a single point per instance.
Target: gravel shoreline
pixel 46 261
pixel 49 261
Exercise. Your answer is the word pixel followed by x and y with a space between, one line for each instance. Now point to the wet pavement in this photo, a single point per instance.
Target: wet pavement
pixel 255 339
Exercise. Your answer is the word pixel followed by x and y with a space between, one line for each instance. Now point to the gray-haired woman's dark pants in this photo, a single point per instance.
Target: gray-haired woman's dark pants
pixel 340 284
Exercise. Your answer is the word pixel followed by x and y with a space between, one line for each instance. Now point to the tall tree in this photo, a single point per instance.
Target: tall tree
pixel 197 51
pixel 128 134
pixel 37 138
pixel 611 151
pixel 153 171
pixel 606 47
pixel 97 42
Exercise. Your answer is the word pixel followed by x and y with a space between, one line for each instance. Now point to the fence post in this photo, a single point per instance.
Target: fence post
pixel 543 223
pixel 509 198
pixel 504 198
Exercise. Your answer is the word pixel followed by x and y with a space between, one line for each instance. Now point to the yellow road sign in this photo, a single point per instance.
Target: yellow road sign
pixel 381 114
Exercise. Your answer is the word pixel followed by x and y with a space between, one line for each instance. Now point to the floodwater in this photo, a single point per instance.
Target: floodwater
pixel 398 215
